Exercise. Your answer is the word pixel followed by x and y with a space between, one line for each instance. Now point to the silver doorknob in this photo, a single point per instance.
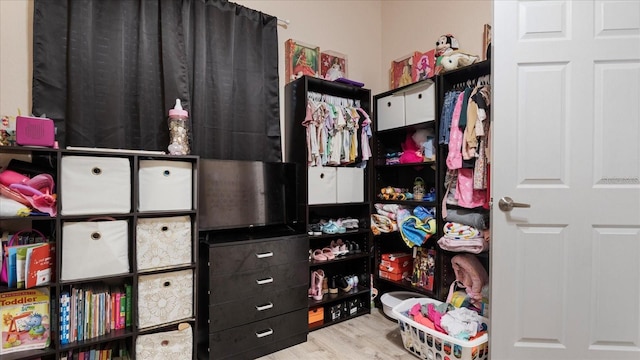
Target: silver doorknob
pixel 507 204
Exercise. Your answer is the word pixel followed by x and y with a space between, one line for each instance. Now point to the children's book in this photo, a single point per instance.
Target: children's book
pixel 25 320
pixel 38 265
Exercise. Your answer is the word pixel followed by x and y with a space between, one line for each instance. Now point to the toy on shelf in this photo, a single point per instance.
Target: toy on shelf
pixel 448 55
pixel 391 193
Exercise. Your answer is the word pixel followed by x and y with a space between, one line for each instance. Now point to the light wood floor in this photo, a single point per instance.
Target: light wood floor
pixel 371 336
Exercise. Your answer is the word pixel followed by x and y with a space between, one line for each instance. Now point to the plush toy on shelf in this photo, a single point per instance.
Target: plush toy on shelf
pixel 448 55
pixel 446 44
pixel 455 60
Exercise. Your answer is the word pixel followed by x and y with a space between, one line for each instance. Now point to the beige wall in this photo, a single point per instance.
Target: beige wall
pixel 16 53
pixel 371 32
pixel 410 25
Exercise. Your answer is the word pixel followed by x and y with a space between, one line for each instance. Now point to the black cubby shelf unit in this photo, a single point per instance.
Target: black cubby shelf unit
pixel 46 160
pixel 314 201
pixel 329 323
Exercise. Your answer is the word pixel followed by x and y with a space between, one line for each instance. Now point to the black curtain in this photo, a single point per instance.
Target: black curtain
pixel 108 72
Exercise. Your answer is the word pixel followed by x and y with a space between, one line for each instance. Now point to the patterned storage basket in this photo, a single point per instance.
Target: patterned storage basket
pixel 165 297
pixel 163 242
pixel 168 345
pixel 431 344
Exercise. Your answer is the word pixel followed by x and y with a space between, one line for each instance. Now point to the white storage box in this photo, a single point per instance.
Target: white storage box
pixel 165 185
pixel 390 111
pixel 95 185
pixel 163 242
pixel 415 105
pixel 164 298
pixel 94 248
pixel 420 103
pixel 322 185
pixel 350 185
pixel 426 343
pixel 168 345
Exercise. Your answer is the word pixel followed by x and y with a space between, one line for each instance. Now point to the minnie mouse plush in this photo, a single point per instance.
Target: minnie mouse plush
pixel 445 44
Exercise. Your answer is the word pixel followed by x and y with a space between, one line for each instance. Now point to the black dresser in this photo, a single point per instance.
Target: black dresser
pixel 252 296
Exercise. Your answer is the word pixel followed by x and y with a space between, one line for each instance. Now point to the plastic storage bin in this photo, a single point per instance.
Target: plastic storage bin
pixel 430 344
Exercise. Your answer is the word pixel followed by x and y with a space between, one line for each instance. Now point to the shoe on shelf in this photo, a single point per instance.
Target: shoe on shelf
pixel 333 285
pixel 343 247
pixel 325 286
pixel 344 284
pixel 315 291
pixel 314 230
pixel 318 255
pixel 328 253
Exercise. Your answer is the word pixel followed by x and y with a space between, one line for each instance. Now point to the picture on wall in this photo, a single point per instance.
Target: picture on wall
pixel 486 42
pixel 401 70
pixel 333 65
pixel 301 59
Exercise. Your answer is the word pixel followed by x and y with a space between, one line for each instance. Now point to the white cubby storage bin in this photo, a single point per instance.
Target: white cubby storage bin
pixel 322 185
pixel 163 242
pixel 390 111
pixel 413 105
pixel 331 185
pixel 95 185
pixel 165 298
pixel 165 185
pixel 349 185
pixel 94 248
pixel 173 344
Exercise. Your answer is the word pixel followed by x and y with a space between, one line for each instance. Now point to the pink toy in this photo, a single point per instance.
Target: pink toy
pixel 38 191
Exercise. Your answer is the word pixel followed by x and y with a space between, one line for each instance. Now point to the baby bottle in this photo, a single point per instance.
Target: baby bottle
pixel 178 130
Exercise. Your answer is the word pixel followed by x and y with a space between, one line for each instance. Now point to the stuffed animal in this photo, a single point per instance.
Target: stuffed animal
pixel 455 60
pixel 445 44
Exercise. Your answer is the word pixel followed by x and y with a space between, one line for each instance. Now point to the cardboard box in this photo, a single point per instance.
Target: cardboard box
pixel 396 268
pixel 333 65
pixel 301 59
pixel 424 65
pixel 316 315
pixel 396 260
pixel 391 276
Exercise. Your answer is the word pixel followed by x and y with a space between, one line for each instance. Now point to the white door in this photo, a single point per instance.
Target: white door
pixel 565 273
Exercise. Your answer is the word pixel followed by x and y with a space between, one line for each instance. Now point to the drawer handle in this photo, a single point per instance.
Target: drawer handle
pixel 264 333
pixel 264 281
pixel 264 307
pixel 264 255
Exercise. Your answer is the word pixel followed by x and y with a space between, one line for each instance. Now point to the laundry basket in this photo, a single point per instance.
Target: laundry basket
pixel 431 344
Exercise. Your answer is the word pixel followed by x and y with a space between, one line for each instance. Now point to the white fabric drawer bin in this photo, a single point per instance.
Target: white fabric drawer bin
pixel 166 297
pixel 420 104
pixel 390 111
pixel 321 185
pixel 94 248
pixel 165 185
pixel 168 345
pixel 350 185
pixel 163 242
pixel 95 185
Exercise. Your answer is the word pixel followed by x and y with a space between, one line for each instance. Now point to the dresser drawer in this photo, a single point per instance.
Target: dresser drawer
pixel 258 282
pixel 244 311
pixel 262 333
pixel 235 258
